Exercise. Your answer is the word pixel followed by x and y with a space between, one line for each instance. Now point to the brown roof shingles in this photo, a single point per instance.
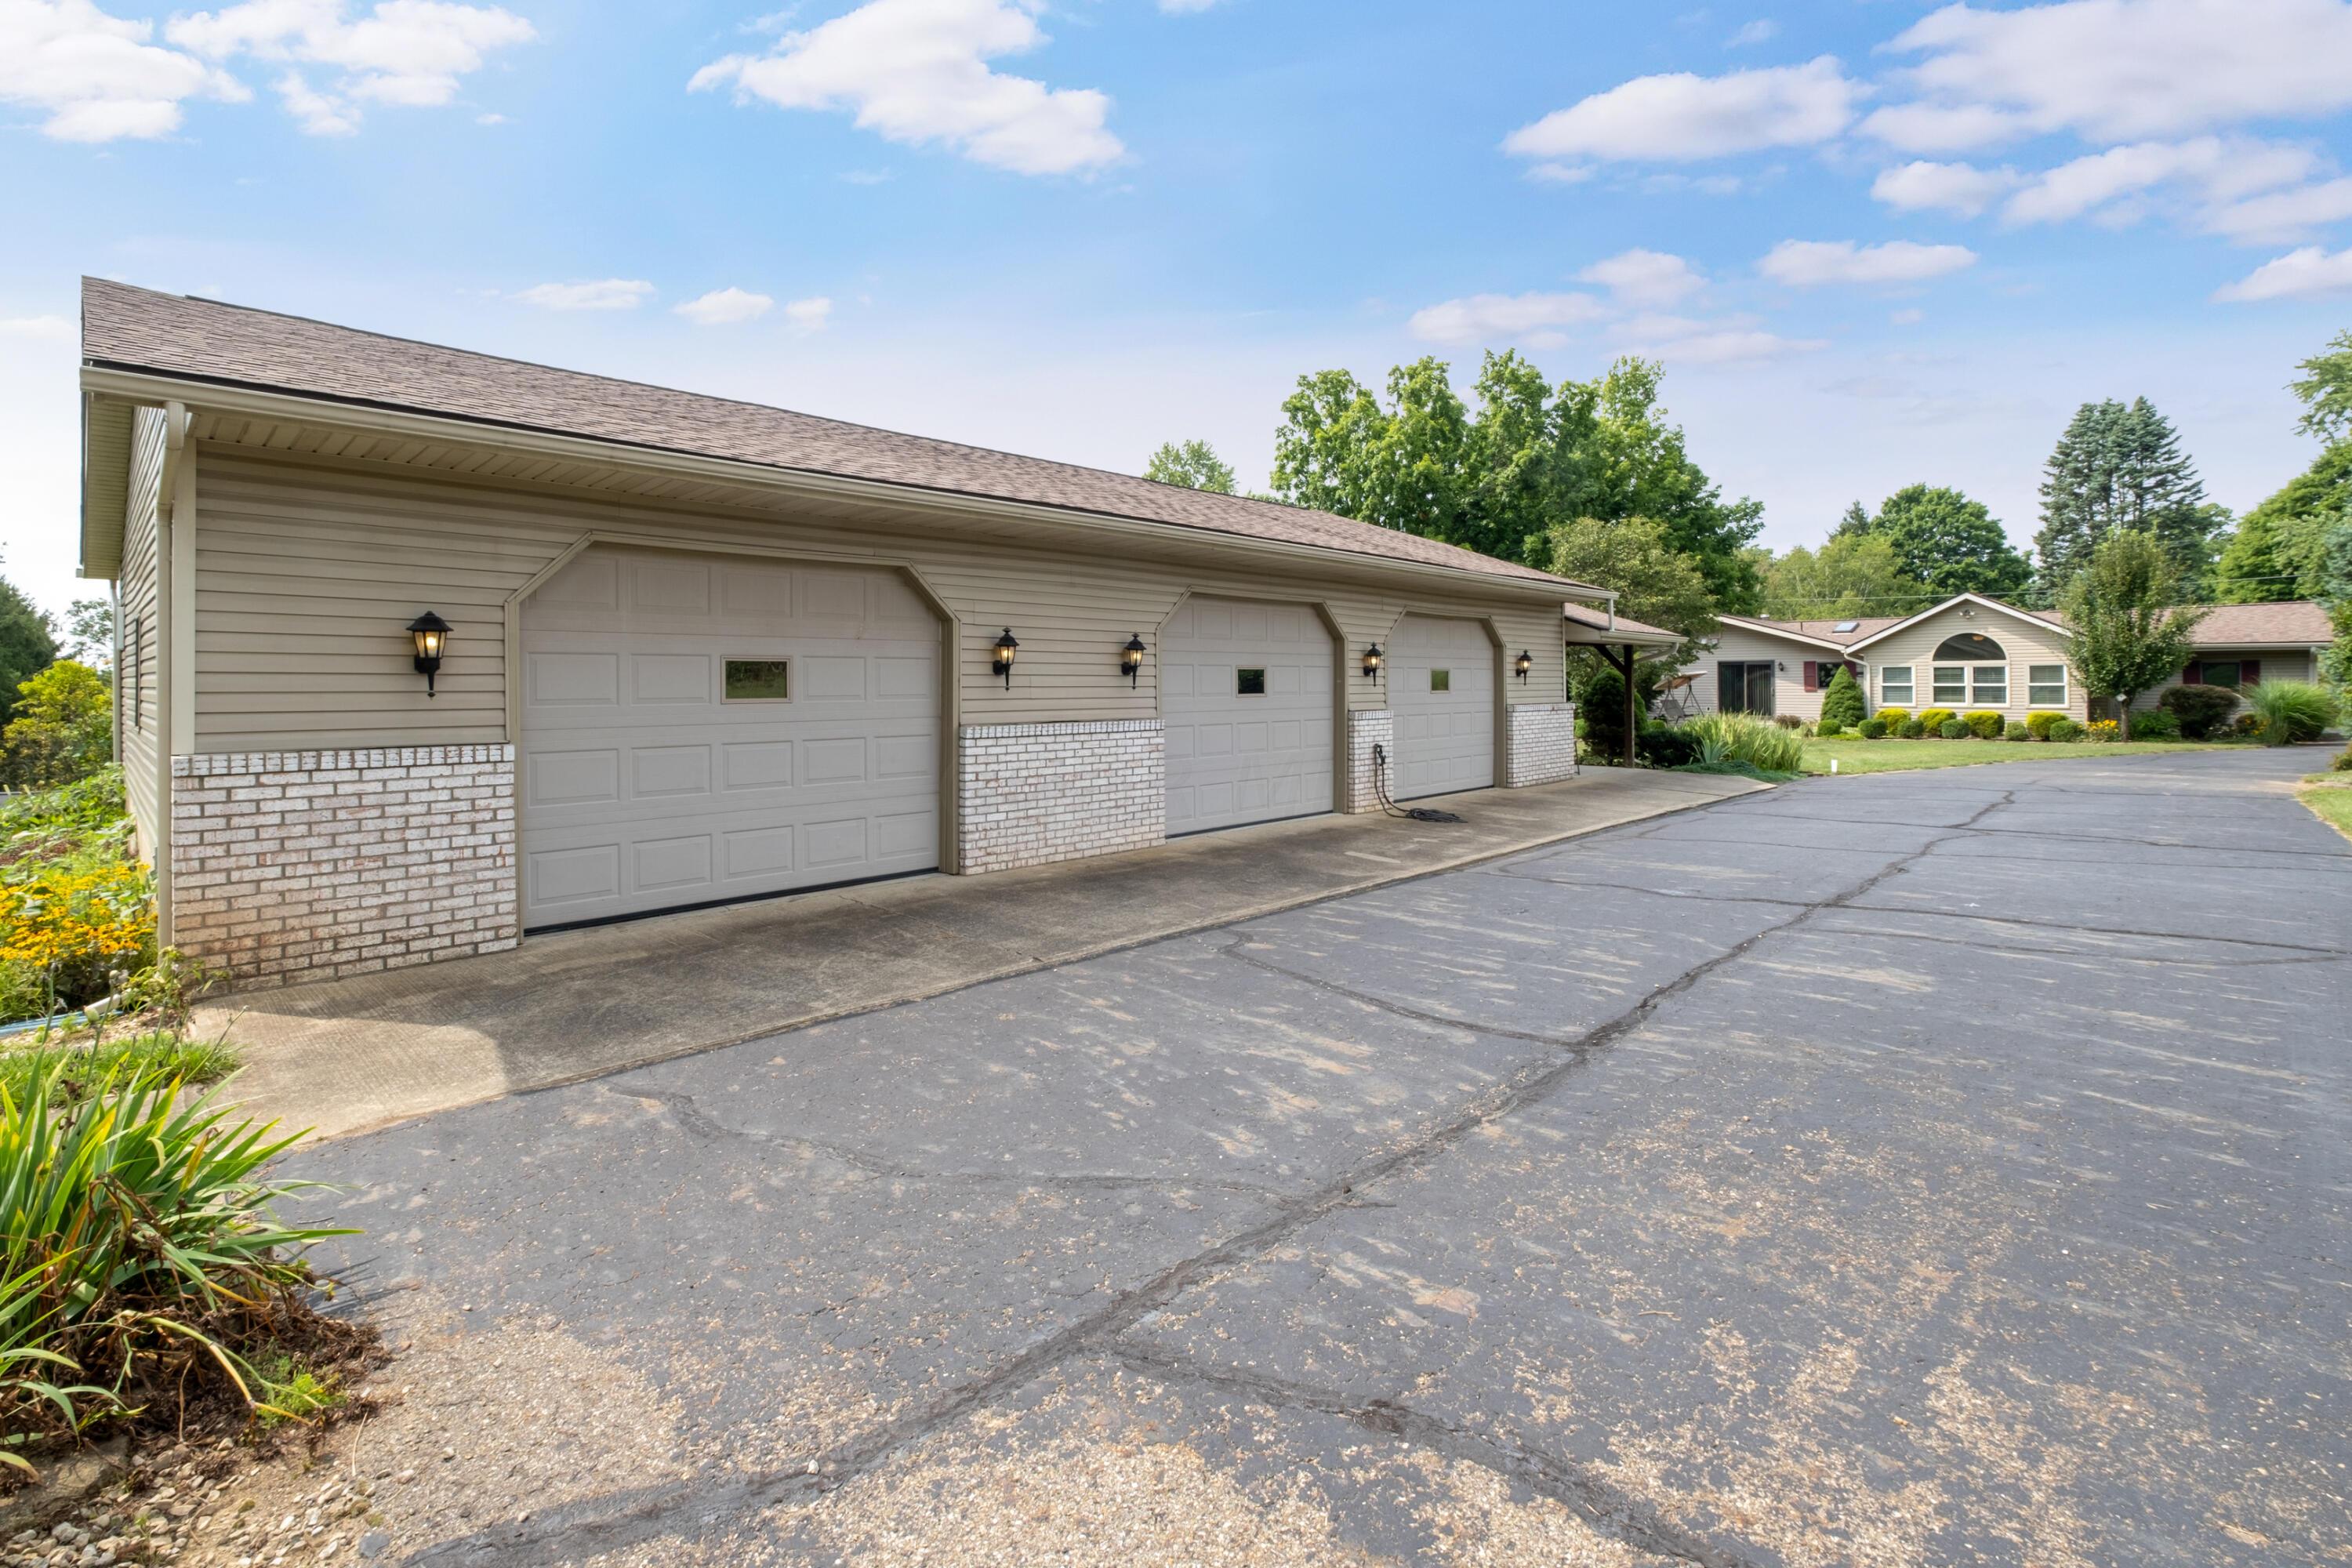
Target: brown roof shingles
pixel 2294 623
pixel 171 334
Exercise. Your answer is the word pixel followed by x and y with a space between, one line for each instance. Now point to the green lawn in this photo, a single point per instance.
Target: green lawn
pixel 2331 800
pixel 1895 756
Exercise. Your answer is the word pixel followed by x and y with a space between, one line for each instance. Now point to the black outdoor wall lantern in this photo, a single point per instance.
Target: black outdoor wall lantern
pixel 1524 663
pixel 1130 659
pixel 432 635
pixel 1372 658
pixel 1007 646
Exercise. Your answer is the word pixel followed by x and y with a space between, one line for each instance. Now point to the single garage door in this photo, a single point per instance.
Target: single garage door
pixel 1442 689
pixel 696 729
pixel 1245 694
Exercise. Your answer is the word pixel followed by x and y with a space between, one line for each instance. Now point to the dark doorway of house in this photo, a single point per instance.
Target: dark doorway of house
pixel 1744 687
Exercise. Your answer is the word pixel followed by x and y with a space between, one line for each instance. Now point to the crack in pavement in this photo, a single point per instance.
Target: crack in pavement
pixel 702 1124
pixel 620 1520
pixel 1599 1502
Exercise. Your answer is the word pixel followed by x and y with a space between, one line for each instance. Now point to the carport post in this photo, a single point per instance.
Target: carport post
pixel 1623 666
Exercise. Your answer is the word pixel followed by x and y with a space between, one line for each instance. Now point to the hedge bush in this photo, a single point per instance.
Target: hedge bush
pixel 1666 746
pixel 1873 728
pixel 1983 723
pixel 2155 725
pixel 1914 729
pixel 1954 729
pixel 2017 732
pixel 1896 718
pixel 2038 725
pixel 1934 718
pixel 2063 729
pixel 2199 710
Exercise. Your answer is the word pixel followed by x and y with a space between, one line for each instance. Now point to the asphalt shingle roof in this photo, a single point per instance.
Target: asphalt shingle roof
pixel 171 334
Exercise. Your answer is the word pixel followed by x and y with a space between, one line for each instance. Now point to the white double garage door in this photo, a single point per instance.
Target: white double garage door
pixel 699 730
pixel 1248 695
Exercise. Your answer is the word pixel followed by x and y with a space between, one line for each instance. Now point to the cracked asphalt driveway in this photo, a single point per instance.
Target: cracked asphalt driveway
pixel 1947 1167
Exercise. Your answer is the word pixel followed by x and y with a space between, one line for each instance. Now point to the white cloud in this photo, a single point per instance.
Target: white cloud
pixel 1960 188
pixel 35 327
pixel 1560 174
pixel 2112 70
pixel 915 71
pixel 1808 263
pixel 809 315
pixel 1495 318
pixel 1683 116
pixel 1182 8
pixel 318 114
pixel 604 294
pixel 865 176
pixel 2282 215
pixel 1645 277
pixel 2219 170
pixel 1733 346
pixel 408 52
pixel 1911 317
pixel 97 76
pixel 489 119
pixel 726 307
pixel 1761 30
pixel 2298 275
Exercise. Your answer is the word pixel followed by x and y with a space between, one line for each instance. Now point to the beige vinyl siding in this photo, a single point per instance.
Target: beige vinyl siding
pixel 2276 665
pixel 1789 693
pixel 307 573
pixel 138 591
pixel 2024 642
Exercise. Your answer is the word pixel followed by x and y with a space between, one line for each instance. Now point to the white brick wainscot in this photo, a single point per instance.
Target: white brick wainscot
pixel 1366 728
pixel 1543 744
pixel 1028 793
pixel 306 865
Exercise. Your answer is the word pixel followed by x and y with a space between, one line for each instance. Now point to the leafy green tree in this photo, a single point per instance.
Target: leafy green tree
pixel 64 726
pixel 1191 464
pixel 1854 573
pixel 28 643
pixel 1654 582
pixel 2277 552
pixel 2126 633
pixel 1950 542
pixel 2326 388
pixel 89 624
pixel 1842 705
pixel 1531 456
pixel 2119 466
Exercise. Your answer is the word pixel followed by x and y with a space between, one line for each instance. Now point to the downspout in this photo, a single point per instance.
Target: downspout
pixel 175 440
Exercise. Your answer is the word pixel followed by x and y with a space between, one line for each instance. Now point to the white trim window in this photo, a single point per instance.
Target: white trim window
pixel 1952 685
pixel 1895 688
pixel 2045 685
pixel 1989 686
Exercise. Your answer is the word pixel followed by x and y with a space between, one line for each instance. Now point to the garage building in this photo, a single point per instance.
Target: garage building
pixel 699 650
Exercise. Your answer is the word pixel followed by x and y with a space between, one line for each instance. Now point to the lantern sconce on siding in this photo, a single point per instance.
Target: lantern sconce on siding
pixel 1130 659
pixel 1007 645
pixel 431 634
pixel 1524 663
pixel 1373 660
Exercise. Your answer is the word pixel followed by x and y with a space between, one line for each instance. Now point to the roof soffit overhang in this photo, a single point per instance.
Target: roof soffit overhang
pixel 925 511
pixel 1769 630
pixel 2023 618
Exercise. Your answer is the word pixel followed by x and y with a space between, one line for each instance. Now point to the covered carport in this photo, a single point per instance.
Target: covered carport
pixel 1620 641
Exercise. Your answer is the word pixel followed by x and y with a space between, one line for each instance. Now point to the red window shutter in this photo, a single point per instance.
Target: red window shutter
pixel 2250 672
pixel 2192 674
pixel 1813 676
pixel 1855 670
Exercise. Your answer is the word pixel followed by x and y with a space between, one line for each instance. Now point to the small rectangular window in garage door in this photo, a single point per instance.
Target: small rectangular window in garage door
pixel 1441 681
pixel 759 679
pixel 1249 683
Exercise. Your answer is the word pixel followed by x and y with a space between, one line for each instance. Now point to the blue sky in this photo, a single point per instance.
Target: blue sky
pixel 1876 242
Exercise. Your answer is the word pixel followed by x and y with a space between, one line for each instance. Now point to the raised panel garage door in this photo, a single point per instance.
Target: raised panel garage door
pixel 696 729
pixel 1245 694
pixel 1442 689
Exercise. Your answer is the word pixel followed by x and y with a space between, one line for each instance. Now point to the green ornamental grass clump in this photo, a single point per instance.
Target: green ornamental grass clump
pixel 1954 729
pixel 1983 723
pixel 2291 711
pixel 1745 737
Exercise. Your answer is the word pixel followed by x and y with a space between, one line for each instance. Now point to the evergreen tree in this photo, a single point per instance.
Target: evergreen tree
pixel 1951 544
pixel 1855 520
pixel 2120 467
pixel 29 645
pixel 1843 706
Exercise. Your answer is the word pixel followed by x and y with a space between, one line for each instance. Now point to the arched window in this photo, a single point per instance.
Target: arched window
pixel 1971 669
pixel 1971 647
